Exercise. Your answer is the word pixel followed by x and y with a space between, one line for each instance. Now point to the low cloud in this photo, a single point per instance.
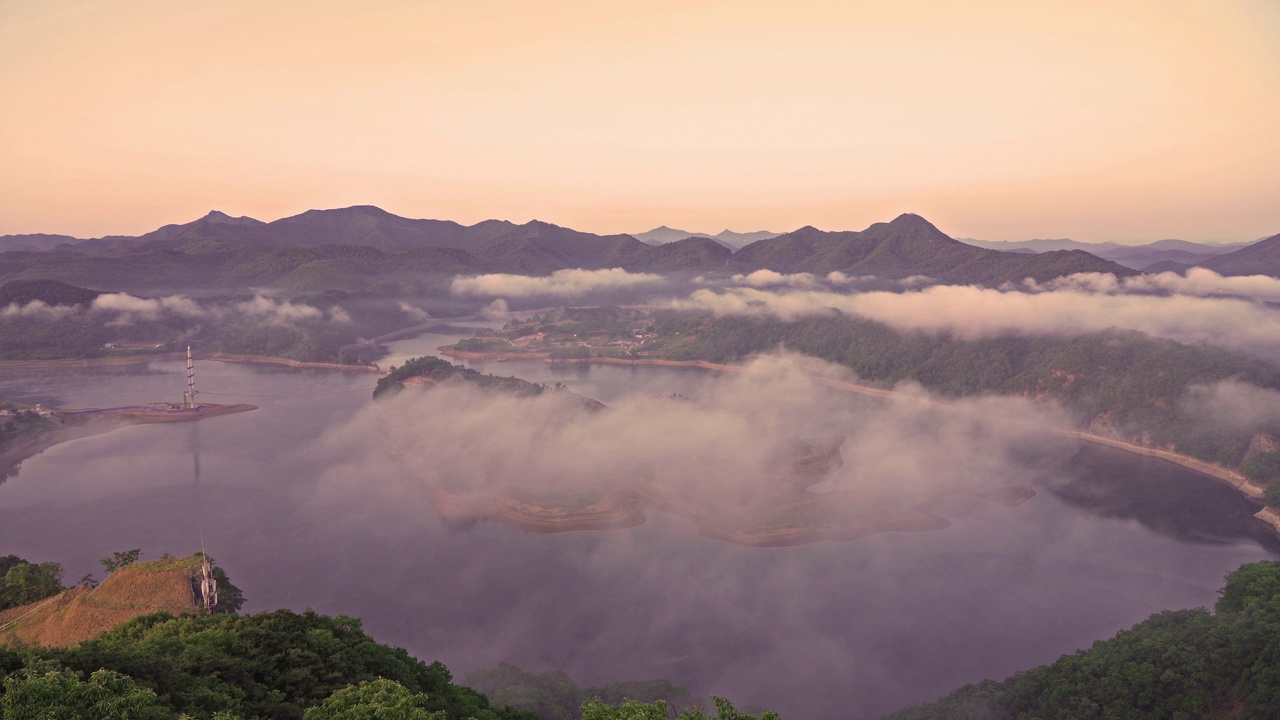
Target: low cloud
pixel 727 447
pixel 415 313
pixel 278 312
pixel 38 309
pixel 1198 282
pixel 131 306
pixel 972 312
pixel 769 278
pixel 123 309
pixel 1233 406
pixel 561 283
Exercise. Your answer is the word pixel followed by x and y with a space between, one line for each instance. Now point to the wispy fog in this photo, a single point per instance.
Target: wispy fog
pixel 1071 306
pixel 725 450
pixel 1201 307
pixel 122 308
pixel 1233 406
pixel 561 283
pixel 1200 282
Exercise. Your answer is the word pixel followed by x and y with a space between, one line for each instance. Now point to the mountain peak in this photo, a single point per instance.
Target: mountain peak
pixel 907 227
pixel 217 216
pixel 913 221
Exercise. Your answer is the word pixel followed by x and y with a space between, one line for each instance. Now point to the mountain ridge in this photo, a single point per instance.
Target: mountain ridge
pixel 351 248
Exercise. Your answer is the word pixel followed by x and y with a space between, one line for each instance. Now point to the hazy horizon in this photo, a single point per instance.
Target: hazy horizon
pixel 634 232
pixel 996 120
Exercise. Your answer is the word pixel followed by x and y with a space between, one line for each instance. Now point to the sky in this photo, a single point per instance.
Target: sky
pixel 1126 121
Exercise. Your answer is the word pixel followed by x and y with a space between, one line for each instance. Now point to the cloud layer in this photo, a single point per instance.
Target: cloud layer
pixel 561 283
pixel 1192 310
pixel 122 308
pixel 727 447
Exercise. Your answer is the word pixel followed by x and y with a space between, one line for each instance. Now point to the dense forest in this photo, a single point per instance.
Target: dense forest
pixel 279 665
pixel 47 320
pixel 555 696
pixel 282 664
pixel 1120 381
pixel 1176 665
pixel 434 369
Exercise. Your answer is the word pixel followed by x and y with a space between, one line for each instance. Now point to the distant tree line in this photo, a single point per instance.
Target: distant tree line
pixel 1138 383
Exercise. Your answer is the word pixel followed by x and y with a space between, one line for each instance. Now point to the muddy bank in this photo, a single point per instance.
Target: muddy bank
pixel 77 363
pixel 75 424
pixel 288 362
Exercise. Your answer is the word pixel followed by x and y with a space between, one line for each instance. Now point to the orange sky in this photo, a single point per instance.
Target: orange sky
pixel 1125 120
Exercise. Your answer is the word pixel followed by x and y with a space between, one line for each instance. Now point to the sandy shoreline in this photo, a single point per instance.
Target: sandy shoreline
pixel 288 362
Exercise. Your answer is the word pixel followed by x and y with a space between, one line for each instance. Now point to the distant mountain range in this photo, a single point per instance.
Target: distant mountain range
pixel 366 248
pixel 733 240
pixel 1260 258
pixel 1158 256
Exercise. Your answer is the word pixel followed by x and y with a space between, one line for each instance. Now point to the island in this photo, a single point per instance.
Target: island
pixel 782 508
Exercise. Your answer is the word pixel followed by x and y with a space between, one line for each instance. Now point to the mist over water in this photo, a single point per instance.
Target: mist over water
pixel 302 510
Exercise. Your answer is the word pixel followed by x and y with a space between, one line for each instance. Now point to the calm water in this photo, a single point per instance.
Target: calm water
pixel 831 630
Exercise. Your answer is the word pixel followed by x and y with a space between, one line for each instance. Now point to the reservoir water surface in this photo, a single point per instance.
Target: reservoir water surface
pixel 828 630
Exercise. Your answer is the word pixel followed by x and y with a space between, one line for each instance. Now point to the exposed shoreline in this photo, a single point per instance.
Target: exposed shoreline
pixel 289 362
pixel 76 363
pixel 790 514
pixel 74 427
pixel 1236 480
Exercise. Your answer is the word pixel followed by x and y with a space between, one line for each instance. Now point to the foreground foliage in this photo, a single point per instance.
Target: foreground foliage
pixel 554 696
pixel 270 665
pixel 1176 664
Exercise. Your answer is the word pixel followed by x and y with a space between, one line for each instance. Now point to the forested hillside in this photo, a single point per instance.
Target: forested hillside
pixel 1176 664
pixel 1119 382
pixel 48 320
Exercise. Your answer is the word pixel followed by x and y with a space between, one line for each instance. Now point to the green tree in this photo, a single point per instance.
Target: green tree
pixel 374 700
pixel 632 710
pixel 48 692
pixel 120 559
pixel 26 583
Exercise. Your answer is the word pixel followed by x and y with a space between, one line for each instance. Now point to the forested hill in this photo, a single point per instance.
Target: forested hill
pixel 1176 664
pixel 911 245
pixel 354 248
pixel 1119 383
pixel 1260 258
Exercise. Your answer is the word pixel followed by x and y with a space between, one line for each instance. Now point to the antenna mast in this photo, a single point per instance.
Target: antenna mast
pixel 189 397
pixel 208 585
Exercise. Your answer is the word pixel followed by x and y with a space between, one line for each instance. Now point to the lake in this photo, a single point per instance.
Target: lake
pixel 828 630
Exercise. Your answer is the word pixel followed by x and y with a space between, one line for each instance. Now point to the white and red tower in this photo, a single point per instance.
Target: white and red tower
pixel 189 397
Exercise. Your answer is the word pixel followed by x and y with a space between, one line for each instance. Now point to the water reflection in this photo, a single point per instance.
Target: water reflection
pixel 831 630
pixel 1163 497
